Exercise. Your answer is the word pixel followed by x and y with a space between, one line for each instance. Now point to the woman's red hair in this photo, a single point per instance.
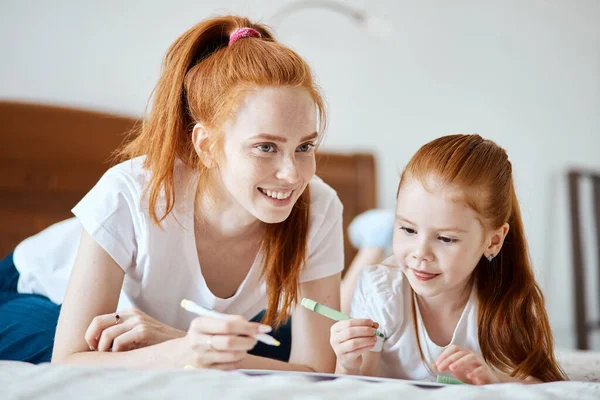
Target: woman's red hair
pixel 513 327
pixel 202 81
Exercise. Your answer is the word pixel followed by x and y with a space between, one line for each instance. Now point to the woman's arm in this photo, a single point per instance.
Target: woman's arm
pixel 310 332
pixel 94 289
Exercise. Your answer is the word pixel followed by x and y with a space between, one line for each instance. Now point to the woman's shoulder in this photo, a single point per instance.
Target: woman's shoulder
pixel 133 176
pixel 325 237
pixel 322 196
pixel 325 214
pixel 130 171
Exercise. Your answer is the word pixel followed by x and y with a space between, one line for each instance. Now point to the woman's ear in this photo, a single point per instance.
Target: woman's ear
pixel 496 240
pixel 201 145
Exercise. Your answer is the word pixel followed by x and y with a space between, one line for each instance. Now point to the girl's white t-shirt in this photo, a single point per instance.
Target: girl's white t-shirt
pixel 383 294
pixel 161 265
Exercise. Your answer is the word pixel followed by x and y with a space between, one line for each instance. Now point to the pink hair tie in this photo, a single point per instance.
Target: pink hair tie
pixel 243 33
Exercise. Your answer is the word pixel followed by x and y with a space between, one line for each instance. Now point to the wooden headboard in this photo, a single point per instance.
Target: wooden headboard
pixel 51 156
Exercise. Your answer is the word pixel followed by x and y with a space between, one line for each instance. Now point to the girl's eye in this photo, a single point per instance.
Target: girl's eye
pixel 266 147
pixel 408 231
pixel 306 147
pixel 447 239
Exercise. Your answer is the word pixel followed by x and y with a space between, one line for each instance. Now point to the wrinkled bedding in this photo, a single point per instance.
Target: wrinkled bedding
pixel 26 381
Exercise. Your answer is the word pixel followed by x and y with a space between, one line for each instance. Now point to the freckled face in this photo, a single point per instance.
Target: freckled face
pixel 269 152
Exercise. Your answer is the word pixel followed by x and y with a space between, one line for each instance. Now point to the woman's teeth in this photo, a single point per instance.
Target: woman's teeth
pixel 276 195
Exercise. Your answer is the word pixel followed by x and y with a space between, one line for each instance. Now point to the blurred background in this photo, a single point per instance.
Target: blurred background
pixel 525 74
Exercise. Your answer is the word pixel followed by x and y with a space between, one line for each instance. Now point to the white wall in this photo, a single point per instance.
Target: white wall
pixel 526 74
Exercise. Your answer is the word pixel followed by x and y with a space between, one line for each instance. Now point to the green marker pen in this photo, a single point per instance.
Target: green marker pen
pixel 329 312
pixel 448 380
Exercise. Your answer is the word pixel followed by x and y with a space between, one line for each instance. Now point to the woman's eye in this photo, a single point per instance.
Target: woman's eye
pixel 267 148
pixel 306 147
pixel 447 239
pixel 409 231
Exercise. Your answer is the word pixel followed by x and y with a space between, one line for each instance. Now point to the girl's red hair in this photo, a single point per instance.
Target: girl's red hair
pixel 513 327
pixel 202 81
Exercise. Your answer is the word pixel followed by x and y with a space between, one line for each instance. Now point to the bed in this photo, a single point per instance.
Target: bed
pixel 51 156
pixel 26 381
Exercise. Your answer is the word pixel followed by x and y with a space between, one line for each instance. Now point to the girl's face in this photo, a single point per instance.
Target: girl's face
pixel 438 241
pixel 268 154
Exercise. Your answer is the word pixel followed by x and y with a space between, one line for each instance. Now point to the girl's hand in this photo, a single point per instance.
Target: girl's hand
pixel 221 344
pixel 127 330
pixel 466 366
pixel 350 339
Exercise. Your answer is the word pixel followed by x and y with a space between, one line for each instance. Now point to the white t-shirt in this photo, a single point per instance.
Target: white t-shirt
pixel 383 294
pixel 161 265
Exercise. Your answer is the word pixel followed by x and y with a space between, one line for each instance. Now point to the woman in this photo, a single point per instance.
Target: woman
pixel 216 202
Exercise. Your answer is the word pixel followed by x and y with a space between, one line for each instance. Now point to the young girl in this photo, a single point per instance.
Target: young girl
pixel 459 295
pixel 216 202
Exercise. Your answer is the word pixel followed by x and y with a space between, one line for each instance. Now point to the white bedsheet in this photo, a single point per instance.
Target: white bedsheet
pixel 26 381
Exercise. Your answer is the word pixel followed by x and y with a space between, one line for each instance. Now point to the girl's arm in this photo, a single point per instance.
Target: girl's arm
pixel 352 341
pixel 505 378
pixel 471 368
pixel 311 351
pixel 370 363
pixel 368 366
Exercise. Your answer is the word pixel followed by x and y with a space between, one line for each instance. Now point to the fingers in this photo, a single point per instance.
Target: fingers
pixel 479 376
pixel 221 351
pixel 350 338
pixel 228 343
pixel 354 322
pixel 223 342
pixel 443 366
pixel 226 366
pixel 234 326
pixel 353 355
pixel 354 332
pixel 343 331
pixel 97 326
pixel 465 364
pixel 358 345
pixel 213 358
pixel 448 356
pixel 109 334
pixel 133 339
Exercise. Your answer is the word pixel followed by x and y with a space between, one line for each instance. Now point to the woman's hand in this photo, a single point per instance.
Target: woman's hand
pixel 350 339
pixel 222 344
pixel 128 330
pixel 466 366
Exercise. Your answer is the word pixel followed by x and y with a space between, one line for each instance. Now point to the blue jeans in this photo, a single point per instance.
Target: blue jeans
pixel 28 323
pixel 283 334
